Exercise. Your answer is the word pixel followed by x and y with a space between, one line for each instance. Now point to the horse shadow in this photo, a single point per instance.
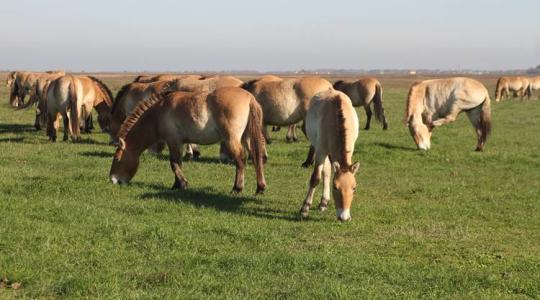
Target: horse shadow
pixel 16 128
pixel 96 154
pixel 208 198
pixel 393 147
pixel 12 140
pixel 89 141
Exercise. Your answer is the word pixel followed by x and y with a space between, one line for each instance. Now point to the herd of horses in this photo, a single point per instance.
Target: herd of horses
pixel 187 110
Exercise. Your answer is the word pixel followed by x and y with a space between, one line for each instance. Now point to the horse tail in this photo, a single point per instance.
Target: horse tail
pixel 485 119
pixel 74 111
pixel 14 92
pixel 33 95
pixel 257 145
pixel 499 88
pixel 378 103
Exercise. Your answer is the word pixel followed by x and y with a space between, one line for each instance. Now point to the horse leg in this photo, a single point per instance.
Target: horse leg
pixel 266 135
pixel 291 134
pixel 88 124
pixel 276 128
pixel 475 116
pixel 310 157
pixel 326 174
pixel 236 150
pixel 189 153
pixel 367 108
pixel 175 159
pixel 196 151
pixel 51 128
pixel 313 182
pixel 157 148
pixel 451 117
pixel 37 125
pixel 67 128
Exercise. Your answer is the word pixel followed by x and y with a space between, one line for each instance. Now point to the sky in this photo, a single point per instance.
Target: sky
pixel 277 35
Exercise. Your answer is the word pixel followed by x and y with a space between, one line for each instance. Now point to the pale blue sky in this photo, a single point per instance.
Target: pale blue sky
pixel 164 35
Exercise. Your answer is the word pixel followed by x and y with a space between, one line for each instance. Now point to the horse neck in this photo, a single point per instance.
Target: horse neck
pixel 339 152
pixel 103 109
pixel 144 133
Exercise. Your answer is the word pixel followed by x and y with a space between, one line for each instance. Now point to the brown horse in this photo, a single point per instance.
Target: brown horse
pixel 432 103
pixel 518 85
pixel 204 85
pixel 285 101
pixel 77 95
pixel 163 77
pixel 332 129
pixel 229 115
pixel 363 92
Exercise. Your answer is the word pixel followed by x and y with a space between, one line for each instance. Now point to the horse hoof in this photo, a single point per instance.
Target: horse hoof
pixel 303 214
pixel 306 164
pixel 236 190
pixel 260 189
pixel 179 185
pixel 323 208
pixel 188 157
pixel 196 155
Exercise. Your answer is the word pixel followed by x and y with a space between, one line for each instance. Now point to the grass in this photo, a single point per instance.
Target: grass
pixel 448 223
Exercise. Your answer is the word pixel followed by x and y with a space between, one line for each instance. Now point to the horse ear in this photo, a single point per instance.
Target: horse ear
pixel 336 167
pixel 354 167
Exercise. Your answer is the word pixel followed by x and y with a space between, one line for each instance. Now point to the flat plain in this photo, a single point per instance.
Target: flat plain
pixel 447 223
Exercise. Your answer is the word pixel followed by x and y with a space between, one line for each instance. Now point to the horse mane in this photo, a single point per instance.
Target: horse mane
pixel 138 78
pixel 337 83
pixel 410 96
pixel 137 113
pixel 104 89
pixel 341 133
pixel 123 90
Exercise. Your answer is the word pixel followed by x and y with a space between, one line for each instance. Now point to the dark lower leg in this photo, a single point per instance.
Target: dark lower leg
pixel 310 157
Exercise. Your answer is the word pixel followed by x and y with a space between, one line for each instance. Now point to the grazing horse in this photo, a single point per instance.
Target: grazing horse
pixel 77 95
pixel 518 85
pixel 363 92
pixel 432 103
pixel 229 115
pixel 285 101
pixel 163 77
pixel 332 129
pixel 534 85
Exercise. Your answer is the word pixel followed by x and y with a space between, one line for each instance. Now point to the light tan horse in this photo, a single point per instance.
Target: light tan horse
pixel 285 101
pixel 204 85
pixel 534 85
pixel 38 94
pixel 433 103
pixel 332 129
pixel 164 77
pixel 363 92
pixel 23 82
pixel 518 85
pixel 229 115
pixel 77 95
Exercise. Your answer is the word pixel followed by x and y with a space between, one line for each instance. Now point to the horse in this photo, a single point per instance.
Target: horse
pixel 285 101
pixel 363 92
pixel 230 115
pixel 332 129
pixel 163 77
pixel 38 95
pixel 77 95
pixel 207 84
pixel 534 85
pixel 518 85
pixel 22 83
pixel 131 94
pixel 433 103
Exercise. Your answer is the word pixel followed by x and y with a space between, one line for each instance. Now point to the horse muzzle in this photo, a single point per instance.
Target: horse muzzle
pixel 343 214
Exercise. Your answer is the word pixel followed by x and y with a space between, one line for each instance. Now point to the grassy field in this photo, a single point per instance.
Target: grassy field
pixel 448 223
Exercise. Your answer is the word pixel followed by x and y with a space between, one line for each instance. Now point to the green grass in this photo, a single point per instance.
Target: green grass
pixel 448 223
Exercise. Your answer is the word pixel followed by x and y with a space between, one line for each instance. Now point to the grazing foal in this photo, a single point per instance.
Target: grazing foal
pixel 332 129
